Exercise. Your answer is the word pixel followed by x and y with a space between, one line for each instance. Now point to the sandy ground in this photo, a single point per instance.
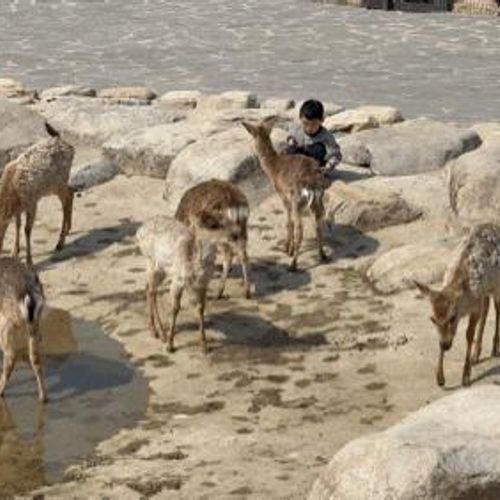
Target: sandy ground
pixel 314 360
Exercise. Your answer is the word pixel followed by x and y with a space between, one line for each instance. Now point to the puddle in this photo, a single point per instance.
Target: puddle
pixel 94 391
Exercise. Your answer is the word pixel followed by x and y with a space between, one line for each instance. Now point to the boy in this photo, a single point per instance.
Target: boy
pixel 312 139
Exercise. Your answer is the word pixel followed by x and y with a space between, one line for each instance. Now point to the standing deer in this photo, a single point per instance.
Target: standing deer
pixel 40 171
pixel 188 255
pixel 21 303
pixel 298 181
pixel 225 201
pixel 470 280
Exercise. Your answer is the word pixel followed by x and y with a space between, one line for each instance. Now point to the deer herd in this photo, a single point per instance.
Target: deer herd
pixel 212 218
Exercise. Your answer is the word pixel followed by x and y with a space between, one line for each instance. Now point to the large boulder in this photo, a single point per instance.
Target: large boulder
pixel 67 91
pixel 446 450
pixel 16 91
pixel 235 99
pixel 20 128
pixel 228 155
pixel 149 151
pixel 362 118
pixel 411 147
pixel 367 209
pixel 394 270
pixel 93 121
pixel 474 185
pixel 187 99
pixel 488 131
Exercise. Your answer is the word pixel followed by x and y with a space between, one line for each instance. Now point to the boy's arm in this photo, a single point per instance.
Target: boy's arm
pixel 294 137
pixel 333 154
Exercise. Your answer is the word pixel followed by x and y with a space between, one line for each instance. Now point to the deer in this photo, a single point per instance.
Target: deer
pixel 471 278
pixel 42 170
pixel 299 183
pixel 225 200
pixel 188 255
pixel 22 301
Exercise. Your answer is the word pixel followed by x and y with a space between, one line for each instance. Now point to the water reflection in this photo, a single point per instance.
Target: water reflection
pixel 93 392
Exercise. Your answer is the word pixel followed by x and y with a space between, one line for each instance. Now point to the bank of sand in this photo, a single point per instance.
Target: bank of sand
pixel 314 360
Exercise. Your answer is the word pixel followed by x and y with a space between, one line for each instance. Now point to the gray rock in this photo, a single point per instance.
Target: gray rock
pixel 411 147
pixel 363 118
pixel 127 94
pixel 227 100
pixel 92 174
pixel 67 91
pixel 446 450
pixel 20 128
pixel 474 185
pixel 93 122
pixel 181 98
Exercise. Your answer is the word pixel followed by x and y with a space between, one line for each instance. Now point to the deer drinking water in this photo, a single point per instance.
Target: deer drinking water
pixel 227 201
pixel 470 280
pixel 298 181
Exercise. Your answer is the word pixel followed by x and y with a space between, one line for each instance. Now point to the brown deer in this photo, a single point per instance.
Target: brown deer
pixel 187 254
pixel 225 201
pixel 298 181
pixel 40 171
pixel 21 304
pixel 470 280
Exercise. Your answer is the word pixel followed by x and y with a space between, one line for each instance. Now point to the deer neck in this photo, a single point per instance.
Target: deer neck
pixel 267 155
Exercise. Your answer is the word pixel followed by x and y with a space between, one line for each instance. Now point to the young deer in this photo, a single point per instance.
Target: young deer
pixel 40 171
pixel 225 201
pixel 298 181
pixel 468 283
pixel 188 255
pixel 21 303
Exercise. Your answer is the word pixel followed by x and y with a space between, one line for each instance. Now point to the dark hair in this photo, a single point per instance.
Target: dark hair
pixel 312 110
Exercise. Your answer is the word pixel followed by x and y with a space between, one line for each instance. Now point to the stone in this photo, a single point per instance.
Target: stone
pixel 278 104
pixel 181 98
pixel 474 185
pixel 67 91
pixel 228 155
pixel 488 131
pixel 93 122
pixel 227 100
pixel 20 128
pixel 362 118
pixel 365 208
pixel 482 7
pixel 92 174
pixel 411 147
pixel 149 151
pixel 424 262
pixel 127 94
pixel 446 450
pixel 16 92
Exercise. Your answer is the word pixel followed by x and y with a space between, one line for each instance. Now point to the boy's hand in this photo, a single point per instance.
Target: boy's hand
pixel 291 141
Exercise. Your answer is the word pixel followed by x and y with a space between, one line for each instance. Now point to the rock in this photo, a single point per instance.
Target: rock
pixel 20 128
pixel 411 147
pixel 488 131
pixel 93 122
pixel 425 262
pixel 474 185
pixel 278 104
pixel 446 450
pixel 227 100
pixel 149 151
pixel 130 95
pixel 482 7
pixel 228 155
pixel 367 209
pixel 181 98
pixel 67 91
pixel 362 118
pixel 92 174
pixel 16 92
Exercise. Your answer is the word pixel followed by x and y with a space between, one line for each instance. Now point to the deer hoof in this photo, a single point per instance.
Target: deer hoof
pixel 495 353
pixel 324 258
pixel 43 399
pixel 59 246
pixel 440 380
pixel 293 267
pixel 475 358
pixel 466 381
pixel 170 349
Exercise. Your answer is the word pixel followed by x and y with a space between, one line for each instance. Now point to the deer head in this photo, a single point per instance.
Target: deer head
pixel 263 129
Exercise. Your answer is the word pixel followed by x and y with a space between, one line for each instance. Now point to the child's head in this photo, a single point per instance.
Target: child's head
pixel 311 114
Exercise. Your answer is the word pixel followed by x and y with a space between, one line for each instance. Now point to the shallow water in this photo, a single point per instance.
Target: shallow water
pixel 93 391
pixel 426 64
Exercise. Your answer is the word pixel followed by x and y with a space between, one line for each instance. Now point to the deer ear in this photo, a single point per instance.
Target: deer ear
pixel 426 290
pixel 269 122
pixel 251 129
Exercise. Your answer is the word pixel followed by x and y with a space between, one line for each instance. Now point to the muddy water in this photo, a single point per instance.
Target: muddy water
pixel 93 393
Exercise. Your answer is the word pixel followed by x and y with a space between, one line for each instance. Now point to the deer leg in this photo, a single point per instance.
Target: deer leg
pixel 17 244
pixel 478 343
pixel 201 318
pixel 289 231
pixel 35 360
pixel 440 371
pixel 28 227
pixel 154 280
pixel 176 296
pixel 471 330
pixel 244 270
pixel 227 260
pixel 495 351
pixel 9 361
pixel 66 197
pixel 297 237
pixel 319 220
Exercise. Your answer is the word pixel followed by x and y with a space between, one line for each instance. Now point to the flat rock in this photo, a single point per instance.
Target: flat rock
pixel 411 147
pixel 67 91
pixel 425 262
pixel 20 128
pixel 474 185
pixel 366 208
pixel 93 122
pixel 228 155
pixel 92 174
pixel 362 118
pixel 127 94
pixel 488 131
pixel 181 98
pixel 446 450
pixel 278 104
pixel 227 100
